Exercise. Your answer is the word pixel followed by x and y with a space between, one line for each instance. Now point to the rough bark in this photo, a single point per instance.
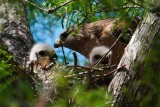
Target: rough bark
pixel 15 36
pixel 127 86
pixel 14 30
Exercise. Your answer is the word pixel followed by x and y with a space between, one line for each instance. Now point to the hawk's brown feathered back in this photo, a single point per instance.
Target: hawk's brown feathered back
pixel 99 33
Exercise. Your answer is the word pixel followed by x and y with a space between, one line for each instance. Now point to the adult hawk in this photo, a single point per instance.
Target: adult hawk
pixel 100 33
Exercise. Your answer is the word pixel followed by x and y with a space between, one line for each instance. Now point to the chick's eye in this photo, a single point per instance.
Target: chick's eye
pixel 42 53
pixel 97 56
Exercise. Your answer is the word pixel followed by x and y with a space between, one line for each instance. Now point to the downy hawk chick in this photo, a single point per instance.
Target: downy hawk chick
pixel 97 53
pixel 42 55
pixel 91 35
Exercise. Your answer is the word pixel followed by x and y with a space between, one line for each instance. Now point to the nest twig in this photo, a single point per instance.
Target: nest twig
pixel 65 61
pixel 91 70
pixel 75 59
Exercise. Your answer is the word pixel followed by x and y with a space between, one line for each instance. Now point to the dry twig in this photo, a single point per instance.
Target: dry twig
pixel 111 72
pixel 75 59
pixel 65 62
pixel 91 70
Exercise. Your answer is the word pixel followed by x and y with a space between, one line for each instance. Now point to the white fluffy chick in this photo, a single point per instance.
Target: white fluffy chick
pixel 97 53
pixel 42 55
pixel 42 61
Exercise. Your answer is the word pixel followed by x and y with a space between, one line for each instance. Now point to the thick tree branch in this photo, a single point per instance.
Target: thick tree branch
pixel 134 58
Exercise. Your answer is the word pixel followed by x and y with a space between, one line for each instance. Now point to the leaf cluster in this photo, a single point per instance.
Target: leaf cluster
pixel 15 90
pixel 80 11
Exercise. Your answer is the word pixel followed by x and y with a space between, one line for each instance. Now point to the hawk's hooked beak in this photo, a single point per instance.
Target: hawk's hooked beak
pixel 58 43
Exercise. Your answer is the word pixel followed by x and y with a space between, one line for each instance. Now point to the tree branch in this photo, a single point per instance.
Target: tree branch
pixel 135 58
pixel 48 10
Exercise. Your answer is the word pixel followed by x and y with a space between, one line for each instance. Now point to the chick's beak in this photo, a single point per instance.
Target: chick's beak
pixel 55 57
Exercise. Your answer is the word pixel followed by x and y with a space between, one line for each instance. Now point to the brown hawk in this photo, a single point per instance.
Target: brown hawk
pixel 100 33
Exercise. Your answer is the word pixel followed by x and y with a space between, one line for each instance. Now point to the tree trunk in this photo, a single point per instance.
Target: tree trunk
pixel 16 37
pixel 136 84
pixel 14 30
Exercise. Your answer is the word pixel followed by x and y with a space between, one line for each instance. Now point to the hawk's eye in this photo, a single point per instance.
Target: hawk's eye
pixel 63 36
pixel 42 53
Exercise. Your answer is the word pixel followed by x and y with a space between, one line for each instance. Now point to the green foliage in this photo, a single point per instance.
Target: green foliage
pixel 76 12
pixel 152 74
pixel 73 91
pixel 79 11
pixel 15 90
pixel 92 98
